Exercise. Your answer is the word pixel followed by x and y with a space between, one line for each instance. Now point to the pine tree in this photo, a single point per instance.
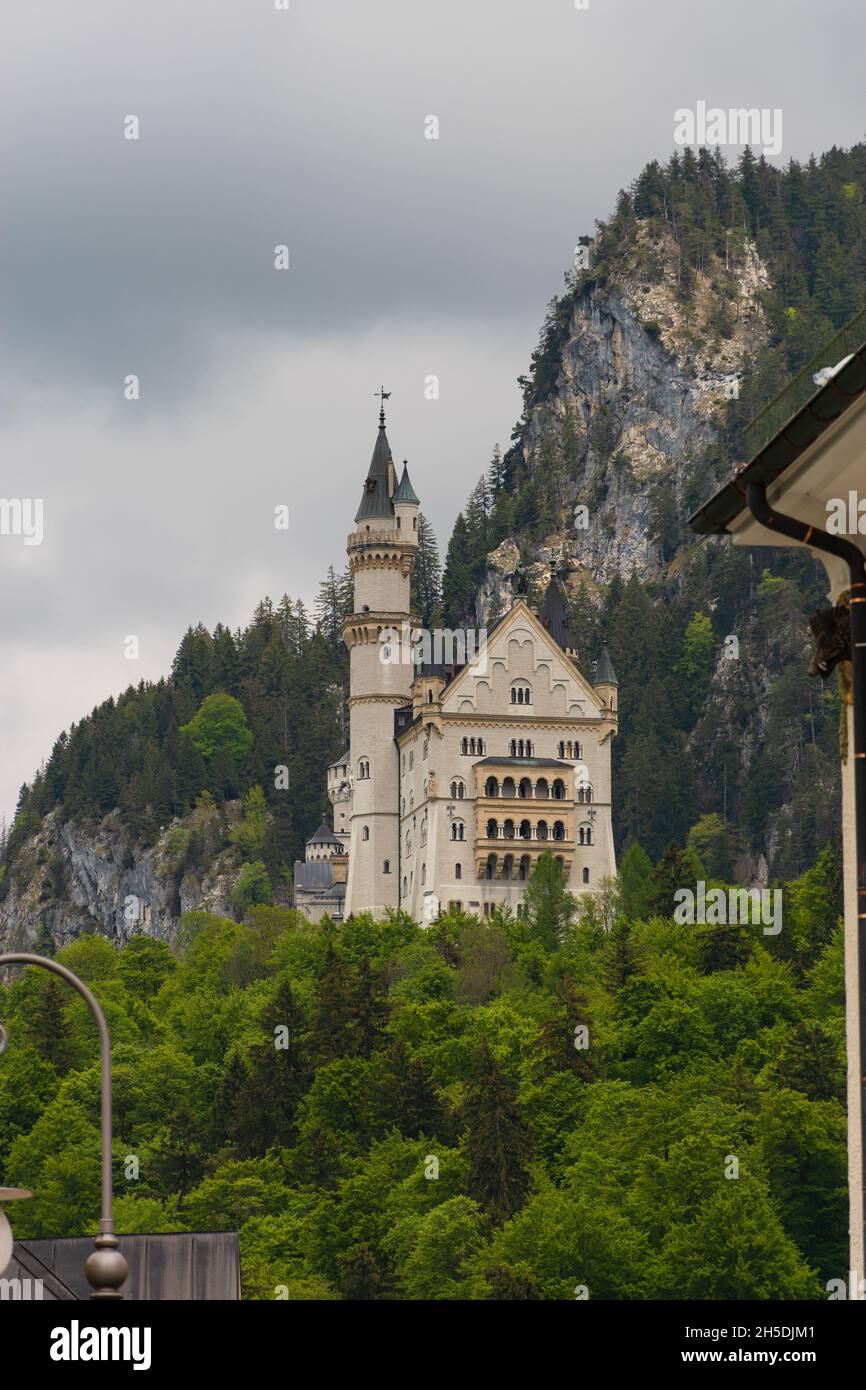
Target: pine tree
pixel 498 1145
pixel 427 575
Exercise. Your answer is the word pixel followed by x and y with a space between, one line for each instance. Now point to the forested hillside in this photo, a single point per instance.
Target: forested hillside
pixel 612 1106
pixel 704 274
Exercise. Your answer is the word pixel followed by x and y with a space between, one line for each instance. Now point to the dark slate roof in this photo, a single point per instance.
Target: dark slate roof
pixel 24 1265
pixel 524 762
pixel 191 1267
pixel 405 492
pixel 604 673
pixel 341 762
pixel 324 836
pixel 553 615
pixel 313 878
pixel 376 499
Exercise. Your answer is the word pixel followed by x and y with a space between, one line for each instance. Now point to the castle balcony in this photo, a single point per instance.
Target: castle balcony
pixel 497 861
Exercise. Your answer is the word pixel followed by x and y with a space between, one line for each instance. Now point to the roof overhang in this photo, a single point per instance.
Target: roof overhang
pixel 819 455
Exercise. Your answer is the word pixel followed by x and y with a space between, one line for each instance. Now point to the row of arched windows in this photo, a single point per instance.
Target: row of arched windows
pixel 540 790
pixel 521 694
pixel 523 831
pixel 570 749
pixel 521 748
pixel 472 746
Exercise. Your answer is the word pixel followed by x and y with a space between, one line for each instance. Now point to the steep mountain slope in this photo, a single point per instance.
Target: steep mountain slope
pixel 704 292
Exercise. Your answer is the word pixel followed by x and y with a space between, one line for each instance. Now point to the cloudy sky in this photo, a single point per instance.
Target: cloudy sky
pixel 408 257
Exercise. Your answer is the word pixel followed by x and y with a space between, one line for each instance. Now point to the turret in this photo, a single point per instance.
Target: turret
pixel 605 681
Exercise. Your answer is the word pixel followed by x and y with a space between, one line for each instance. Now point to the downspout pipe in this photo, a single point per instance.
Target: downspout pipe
pixel 756 498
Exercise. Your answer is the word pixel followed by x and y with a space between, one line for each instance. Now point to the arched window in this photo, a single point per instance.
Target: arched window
pixel 586 875
pixel 523 871
pixel 508 788
pixel 491 787
pixel 490 870
pixel 429 697
pixel 492 830
pixel 542 791
pixel 405 886
pixel 458 830
pixel 525 830
pixel 524 791
pixel 363 769
pixel 508 830
pixel 423 873
pixel 386 867
pixel 424 831
pixel 425 748
pixel 521 693
pixel 365 832
pixel 541 830
pixel 558 830
pixel 557 791
pixel 458 870
pixel 481 747
pixel 411 760
pixel 508 866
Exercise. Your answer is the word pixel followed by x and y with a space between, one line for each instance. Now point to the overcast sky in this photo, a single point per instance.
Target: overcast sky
pixel 408 257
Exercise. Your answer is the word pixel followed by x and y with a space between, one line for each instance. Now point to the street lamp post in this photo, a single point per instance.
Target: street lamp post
pixel 105 1268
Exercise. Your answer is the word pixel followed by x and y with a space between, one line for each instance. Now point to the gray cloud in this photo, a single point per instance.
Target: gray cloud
pixel 408 257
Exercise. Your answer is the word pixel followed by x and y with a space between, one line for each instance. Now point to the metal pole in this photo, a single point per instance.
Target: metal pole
pixel 106 1268
pixel 756 497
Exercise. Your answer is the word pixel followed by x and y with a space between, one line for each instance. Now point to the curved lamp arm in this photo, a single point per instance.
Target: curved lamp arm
pixel 106 1268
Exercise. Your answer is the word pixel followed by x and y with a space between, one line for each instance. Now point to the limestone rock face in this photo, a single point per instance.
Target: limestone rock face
pixel 644 380
pixel 70 878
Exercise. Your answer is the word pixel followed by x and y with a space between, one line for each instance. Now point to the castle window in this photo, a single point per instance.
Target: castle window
pixel 411 760
pixel 403 762
pixel 386 867
pixel 424 831
pixel 458 870
pixel 458 790
pixel 558 790
pixel 586 875
pixel 521 693
pixel 363 769
pixel 405 886
pixel 558 830
pixel 455 906
pixel 411 801
pixel 365 832
pixel 398 523
pixel 403 806
pixel 491 787
pixel 458 830
pixel 425 748
pixel 492 830
pixel 414 523
pixel 423 873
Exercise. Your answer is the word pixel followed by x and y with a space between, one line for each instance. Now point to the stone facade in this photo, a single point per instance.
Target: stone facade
pixel 459 776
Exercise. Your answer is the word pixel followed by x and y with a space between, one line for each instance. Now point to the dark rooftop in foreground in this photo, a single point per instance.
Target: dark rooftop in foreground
pixel 190 1267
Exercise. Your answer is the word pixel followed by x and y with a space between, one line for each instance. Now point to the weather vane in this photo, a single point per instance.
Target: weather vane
pixel 384 396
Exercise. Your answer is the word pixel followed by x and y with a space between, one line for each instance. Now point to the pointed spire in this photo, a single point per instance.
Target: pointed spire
pixel 604 673
pixel 553 615
pixel 376 499
pixel 405 492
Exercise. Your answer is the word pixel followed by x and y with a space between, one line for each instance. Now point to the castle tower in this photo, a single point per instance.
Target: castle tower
pixel 382 552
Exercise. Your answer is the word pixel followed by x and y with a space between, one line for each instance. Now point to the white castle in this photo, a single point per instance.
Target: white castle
pixel 459 775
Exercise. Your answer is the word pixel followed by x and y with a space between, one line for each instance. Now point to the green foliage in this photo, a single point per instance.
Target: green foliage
pixel 389 1112
pixel 220 726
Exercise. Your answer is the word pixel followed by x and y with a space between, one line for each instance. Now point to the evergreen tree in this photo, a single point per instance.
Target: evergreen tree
pixel 498 1145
